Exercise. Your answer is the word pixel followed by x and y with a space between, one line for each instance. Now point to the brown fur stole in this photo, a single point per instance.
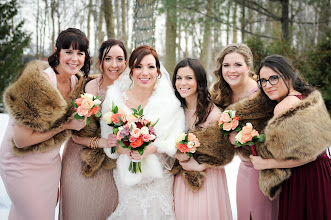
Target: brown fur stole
pixel 215 149
pixel 33 102
pixel 300 133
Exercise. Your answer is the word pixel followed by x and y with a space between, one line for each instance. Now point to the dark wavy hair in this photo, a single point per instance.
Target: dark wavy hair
pixel 78 40
pixel 139 53
pixel 104 49
pixel 221 92
pixel 285 69
pixel 204 102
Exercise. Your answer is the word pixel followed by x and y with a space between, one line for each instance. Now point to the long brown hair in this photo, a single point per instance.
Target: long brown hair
pixel 204 102
pixel 221 93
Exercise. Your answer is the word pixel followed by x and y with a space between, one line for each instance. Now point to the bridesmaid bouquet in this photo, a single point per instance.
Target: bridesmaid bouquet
pixel 86 106
pixel 249 136
pixel 136 134
pixel 187 143
pixel 115 118
pixel 229 121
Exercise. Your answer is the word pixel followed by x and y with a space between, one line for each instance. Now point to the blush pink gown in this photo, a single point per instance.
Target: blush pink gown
pixel 212 200
pixel 31 180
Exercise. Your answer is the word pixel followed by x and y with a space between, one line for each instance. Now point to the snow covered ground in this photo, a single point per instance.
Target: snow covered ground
pixel 231 172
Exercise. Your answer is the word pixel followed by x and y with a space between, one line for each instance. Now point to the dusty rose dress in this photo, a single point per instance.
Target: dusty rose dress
pixel 32 180
pixel 82 198
pixel 212 200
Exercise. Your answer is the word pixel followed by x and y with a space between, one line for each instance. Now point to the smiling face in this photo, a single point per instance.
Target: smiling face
pixel 234 69
pixel 145 74
pixel 70 61
pixel 186 83
pixel 114 63
pixel 277 91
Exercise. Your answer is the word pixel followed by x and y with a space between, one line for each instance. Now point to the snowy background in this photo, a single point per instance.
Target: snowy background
pixel 231 172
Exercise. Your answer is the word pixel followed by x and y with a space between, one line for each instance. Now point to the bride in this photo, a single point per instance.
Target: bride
pixel 145 195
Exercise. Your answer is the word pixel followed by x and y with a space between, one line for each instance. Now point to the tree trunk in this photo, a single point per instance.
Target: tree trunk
pixel 228 22
pixel 324 21
pixel 171 35
pixel 89 14
pixel 234 22
pixel 285 20
pixel 53 6
pixel 123 24
pixel 205 51
pixel 243 20
pixel 108 12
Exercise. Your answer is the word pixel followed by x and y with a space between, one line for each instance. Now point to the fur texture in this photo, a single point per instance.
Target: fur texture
pixel 33 102
pixel 300 133
pixel 215 149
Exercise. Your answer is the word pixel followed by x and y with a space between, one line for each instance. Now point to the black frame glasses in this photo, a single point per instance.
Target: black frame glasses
pixel 273 80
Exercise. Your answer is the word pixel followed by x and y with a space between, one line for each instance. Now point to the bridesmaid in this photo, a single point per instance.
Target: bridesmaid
pixel 39 106
pixel 234 73
pixel 92 197
pixel 212 200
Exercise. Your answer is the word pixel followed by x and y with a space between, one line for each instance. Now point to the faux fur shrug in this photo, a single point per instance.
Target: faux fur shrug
pixel 34 102
pixel 215 148
pixel 299 133
pixel 162 105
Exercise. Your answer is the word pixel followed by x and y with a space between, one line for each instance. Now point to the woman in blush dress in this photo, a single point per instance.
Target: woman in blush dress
pixel 300 130
pixel 39 105
pixel 147 194
pixel 211 201
pixel 92 194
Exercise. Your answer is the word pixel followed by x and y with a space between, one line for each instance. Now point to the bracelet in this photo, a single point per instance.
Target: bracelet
pixel 93 143
pixel 96 143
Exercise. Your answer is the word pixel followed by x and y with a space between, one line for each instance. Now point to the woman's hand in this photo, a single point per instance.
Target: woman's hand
pixel 150 149
pixel 112 140
pixel 259 163
pixel 192 165
pixel 182 157
pixel 75 124
pixel 232 136
pixel 262 164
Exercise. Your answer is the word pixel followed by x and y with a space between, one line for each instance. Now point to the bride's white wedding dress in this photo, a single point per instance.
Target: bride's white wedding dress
pixel 149 194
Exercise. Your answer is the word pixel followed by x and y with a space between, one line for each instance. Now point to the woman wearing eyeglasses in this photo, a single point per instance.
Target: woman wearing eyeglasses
pixel 293 157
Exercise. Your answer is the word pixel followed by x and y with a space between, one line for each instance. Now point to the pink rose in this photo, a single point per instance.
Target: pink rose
pixel 132 139
pixel 82 111
pixel 146 137
pixel 255 133
pixel 182 148
pixel 227 126
pixel 234 124
pixel 95 109
pixel 79 101
pixel 118 136
pixel 225 117
pixel 87 103
pixel 115 119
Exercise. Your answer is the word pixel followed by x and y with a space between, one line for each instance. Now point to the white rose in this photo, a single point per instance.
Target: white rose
pixel 97 102
pixel 132 126
pixel 239 136
pixel 107 117
pixel 144 130
pixel 152 137
pixel 190 144
pixel 180 137
pixel 233 114
pixel 87 95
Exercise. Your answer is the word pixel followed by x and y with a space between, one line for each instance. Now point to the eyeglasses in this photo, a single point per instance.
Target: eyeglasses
pixel 273 80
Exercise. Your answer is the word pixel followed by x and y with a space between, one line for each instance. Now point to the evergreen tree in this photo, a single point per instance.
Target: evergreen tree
pixel 12 42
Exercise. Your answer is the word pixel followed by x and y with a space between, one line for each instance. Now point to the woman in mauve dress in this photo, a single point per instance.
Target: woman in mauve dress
pixel 39 105
pixel 212 200
pixel 91 193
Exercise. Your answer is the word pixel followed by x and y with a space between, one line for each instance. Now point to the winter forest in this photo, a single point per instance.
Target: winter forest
pixel 298 29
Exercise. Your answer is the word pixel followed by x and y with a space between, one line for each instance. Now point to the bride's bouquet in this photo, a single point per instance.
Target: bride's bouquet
pixel 136 134
pixel 229 121
pixel 115 118
pixel 87 105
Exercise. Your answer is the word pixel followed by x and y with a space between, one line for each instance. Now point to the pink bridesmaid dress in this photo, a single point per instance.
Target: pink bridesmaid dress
pixel 212 200
pixel 31 180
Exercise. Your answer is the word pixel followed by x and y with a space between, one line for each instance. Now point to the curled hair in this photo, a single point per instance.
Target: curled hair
pixel 78 40
pixel 285 69
pixel 204 102
pixel 139 53
pixel 105 48
pixel 221 92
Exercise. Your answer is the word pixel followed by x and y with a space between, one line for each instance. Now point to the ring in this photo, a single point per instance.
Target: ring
pixel 141 157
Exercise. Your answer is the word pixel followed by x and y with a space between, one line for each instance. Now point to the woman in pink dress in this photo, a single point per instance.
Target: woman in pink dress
pixel 38 103
pixel 211 201
pixel 92 194
pixel 296 137
pixel 235 73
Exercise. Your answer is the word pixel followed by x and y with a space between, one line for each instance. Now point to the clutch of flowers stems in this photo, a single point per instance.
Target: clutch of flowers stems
pixel 135 134
pixel 115 118
pixel 87 105
pixel 229 121
pixel 249 136
pixel 187 143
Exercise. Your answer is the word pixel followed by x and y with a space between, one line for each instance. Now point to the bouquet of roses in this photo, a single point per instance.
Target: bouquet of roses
pixel 115 118
pixel 249 136
pixel 187 143
pixel 229 121
pixel 87 105
pixel 136 134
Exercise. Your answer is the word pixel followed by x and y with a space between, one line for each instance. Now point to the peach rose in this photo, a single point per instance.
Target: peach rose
pixel 82 111
pixel 146 137
pixel 245 138
pixel 255 133
pixel 137 143
pixel 136 132
pixel 79 101
pixel 234 124
pixel 115 119
pixel 225 117
pixel 247 129
pixel 227 126
pixel 89 113
pixel 95 109
pixel 132 139
pixel 87 103
pixel 182 147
